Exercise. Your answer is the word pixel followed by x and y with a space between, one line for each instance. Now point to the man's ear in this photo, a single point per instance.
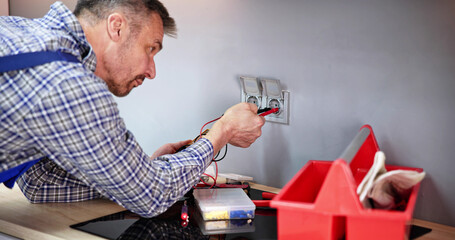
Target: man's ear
pixel 116 26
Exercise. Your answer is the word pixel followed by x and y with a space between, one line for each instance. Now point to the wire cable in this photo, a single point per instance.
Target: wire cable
pixel 213 160
pixel 224 155
pixel 261 112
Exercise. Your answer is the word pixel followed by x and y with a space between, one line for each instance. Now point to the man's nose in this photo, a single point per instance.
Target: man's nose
pixel 151 71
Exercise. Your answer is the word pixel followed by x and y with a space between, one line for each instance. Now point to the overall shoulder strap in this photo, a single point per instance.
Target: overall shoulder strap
pixel 32 59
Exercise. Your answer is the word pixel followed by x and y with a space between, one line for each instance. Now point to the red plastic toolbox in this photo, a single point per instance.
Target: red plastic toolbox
pixel 320 201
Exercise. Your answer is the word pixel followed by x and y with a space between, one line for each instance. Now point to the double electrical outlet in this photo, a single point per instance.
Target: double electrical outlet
pixel 266 93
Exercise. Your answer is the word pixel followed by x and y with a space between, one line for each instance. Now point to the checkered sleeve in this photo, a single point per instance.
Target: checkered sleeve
pixel 77 125
pixel 45 181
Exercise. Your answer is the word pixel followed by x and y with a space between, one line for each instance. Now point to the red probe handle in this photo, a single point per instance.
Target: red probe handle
pixel 273 110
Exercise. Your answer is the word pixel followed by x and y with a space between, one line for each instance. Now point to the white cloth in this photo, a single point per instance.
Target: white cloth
pixel 385 189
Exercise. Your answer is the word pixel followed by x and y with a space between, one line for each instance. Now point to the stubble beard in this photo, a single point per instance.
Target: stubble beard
pixel 116 70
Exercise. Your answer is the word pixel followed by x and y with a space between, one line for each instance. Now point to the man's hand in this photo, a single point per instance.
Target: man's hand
pixel 169 148
pixel 239 126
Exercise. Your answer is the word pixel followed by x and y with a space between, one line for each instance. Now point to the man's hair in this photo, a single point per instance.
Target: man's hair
pixel 95 10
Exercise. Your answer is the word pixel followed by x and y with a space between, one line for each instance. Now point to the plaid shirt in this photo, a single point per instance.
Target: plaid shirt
pixel 61 111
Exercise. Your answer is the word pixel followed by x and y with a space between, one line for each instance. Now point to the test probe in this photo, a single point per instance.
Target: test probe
pixel 266 111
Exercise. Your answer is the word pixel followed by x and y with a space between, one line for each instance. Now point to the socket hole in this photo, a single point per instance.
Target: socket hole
pixel 254 100
pixel 274 103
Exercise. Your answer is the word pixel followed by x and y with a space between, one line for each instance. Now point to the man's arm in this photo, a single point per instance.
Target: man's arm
pixel 239 126
pixel 78 127
pixel 45 181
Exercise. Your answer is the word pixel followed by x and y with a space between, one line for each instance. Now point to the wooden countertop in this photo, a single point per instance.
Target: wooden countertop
pixel 22 219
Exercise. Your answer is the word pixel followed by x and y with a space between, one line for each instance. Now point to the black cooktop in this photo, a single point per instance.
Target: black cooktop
pixel 127 225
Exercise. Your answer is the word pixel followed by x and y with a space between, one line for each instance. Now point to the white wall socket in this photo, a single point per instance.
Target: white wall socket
pixel 281 116
pixel 266 93
pixel 251 90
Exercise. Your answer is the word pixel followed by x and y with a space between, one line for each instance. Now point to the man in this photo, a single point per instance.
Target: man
pixel 63 113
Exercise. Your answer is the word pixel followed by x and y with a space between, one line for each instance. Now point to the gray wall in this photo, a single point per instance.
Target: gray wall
pixel 34 9
pixel 388 63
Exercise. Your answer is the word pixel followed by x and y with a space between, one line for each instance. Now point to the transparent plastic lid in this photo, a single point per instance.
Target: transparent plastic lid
pixel 224 203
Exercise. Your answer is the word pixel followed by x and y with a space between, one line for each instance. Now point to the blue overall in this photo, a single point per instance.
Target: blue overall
pixel 18 62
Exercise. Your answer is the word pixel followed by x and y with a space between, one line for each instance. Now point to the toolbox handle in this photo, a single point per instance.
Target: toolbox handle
pixel 352 149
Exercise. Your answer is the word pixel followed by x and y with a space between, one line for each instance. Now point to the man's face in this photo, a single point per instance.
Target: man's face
pixel 132 59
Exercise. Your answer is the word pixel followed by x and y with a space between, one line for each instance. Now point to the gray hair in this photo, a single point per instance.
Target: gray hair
pixel 95 10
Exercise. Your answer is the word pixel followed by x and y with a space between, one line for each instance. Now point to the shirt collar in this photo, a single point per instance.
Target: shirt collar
pixel 59 16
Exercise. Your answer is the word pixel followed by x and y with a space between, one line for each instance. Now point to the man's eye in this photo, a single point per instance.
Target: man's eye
pixel 152 49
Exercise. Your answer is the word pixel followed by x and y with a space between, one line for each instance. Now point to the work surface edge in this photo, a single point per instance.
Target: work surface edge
pixel 25 220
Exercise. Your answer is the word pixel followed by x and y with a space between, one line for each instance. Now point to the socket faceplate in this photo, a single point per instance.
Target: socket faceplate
pixel 281 116
pixel 266 93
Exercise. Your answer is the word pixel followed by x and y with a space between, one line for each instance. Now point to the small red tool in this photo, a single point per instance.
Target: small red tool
pixel 222 185
pixel 264 203
pixel 268 195
pixel 184 214
pixel 261 203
